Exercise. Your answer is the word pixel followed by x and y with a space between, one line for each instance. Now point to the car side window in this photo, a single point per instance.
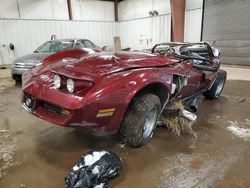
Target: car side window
pixel 80 44
pixel 89 44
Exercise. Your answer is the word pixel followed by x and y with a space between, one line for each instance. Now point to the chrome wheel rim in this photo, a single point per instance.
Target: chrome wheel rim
pixel 219 88
pixel 150 123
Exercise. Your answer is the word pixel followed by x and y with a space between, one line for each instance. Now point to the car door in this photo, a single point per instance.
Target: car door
pixel 192 79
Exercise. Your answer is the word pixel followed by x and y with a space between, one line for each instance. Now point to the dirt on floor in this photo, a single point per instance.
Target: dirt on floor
pixel 35 153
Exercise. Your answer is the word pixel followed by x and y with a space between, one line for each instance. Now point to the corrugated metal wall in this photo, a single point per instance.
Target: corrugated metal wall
pixel 228 23
pixel 92 10
pixel 145 32
pixel 27 35
pixel 193 20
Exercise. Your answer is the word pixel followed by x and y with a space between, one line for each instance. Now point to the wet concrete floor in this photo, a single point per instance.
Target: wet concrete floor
pixel 34 153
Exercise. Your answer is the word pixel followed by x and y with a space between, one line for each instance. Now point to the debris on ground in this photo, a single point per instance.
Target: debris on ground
pixel 240 131
pixel 243 100
pixel 7 151
pixel 95 169
pixel 176 122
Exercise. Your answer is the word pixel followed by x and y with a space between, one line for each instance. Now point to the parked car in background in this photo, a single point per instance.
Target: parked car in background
pixel 24 63
pixel 126 92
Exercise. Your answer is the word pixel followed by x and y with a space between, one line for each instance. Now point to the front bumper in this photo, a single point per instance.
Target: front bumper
pixel 19 68
pixel 16 73
pixel 84 117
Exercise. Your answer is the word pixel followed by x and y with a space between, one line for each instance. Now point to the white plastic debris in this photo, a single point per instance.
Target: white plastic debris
pixel 96 170
pixel 75 168
pixel 99 186
pixel 91 159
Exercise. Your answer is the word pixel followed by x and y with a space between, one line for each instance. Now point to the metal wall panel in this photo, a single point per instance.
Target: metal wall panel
pixel 146 32
pixel 8 9
pixel 194 4
pixel 93 10
pixel 135 9
pixel 27 35
pixel 228 23
pixel 57 9
pixel 193 19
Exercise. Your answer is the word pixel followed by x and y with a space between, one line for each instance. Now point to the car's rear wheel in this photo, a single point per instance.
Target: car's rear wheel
pixel 140 120
pixel 217 87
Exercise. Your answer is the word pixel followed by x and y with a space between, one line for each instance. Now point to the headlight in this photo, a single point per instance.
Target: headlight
pixel 57 81
pixel 70 85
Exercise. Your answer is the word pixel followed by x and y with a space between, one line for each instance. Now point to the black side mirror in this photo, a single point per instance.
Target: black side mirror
pixel 11 46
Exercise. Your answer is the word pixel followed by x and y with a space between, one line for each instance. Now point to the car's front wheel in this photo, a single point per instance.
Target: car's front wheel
pixel 140 120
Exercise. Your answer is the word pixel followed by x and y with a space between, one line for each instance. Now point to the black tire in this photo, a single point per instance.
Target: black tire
pixel 217 87
pixel 17 78
pixel 140 120
pixel 18 81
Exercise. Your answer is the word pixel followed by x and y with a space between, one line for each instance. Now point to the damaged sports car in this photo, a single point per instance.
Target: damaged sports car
pixel 125 92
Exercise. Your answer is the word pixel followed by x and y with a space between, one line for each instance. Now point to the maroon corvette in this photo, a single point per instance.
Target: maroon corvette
pixel 122 92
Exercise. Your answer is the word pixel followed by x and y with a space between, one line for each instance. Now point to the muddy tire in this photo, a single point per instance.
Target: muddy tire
pixel 140 120
pixel 215 91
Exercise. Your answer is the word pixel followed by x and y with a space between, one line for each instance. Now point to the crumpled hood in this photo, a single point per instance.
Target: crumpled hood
pixel 34 58
pixel 100 64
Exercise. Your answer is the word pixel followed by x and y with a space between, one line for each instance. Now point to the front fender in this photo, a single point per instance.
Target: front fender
pixel 118 90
